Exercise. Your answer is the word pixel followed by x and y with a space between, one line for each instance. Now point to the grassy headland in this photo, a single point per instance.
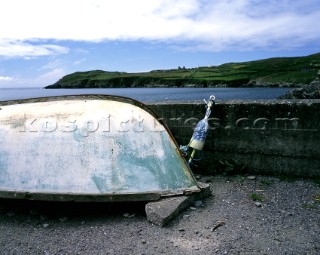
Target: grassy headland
pixel 273 72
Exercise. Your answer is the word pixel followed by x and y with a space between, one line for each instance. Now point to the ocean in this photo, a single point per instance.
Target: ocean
pixel 151 95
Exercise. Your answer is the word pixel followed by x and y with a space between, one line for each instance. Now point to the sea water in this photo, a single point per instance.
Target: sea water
pixel 151 95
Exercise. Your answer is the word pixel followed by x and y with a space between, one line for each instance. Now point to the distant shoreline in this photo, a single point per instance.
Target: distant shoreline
pixel 274 72
pixel 183 86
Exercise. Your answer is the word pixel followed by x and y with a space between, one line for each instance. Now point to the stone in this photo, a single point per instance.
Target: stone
pixel 251 177
pixel 205 190
pixel 206 179
pixel 33 212
pixel 63 219
pixel 126 215
pixel 197 203
pixel 11 213
pixel 258 204
pixel 45 225
pixel 186 216
pixel 162 211
pixel 43 217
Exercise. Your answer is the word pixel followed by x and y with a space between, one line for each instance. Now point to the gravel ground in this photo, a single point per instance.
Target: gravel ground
pixel 245 215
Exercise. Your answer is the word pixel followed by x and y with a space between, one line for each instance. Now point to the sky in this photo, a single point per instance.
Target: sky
pixel 43 40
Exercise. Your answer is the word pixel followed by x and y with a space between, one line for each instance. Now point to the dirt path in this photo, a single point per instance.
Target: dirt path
pixel 284 219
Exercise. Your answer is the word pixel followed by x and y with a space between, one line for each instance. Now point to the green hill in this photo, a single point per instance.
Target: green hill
pixel 275 72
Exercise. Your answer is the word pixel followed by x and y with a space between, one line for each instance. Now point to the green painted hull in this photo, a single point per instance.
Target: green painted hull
pixel 88 148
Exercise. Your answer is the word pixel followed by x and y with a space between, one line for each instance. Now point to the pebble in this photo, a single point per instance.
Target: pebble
pixel 11 213
pixel 207 179
pixel 192 208
pixel 43 217
pixel 197 203
pixel 251 177
pixel 63 219
pixel 128 215
pixel 258 204
pixel 33 212
pixel 186 216
pixel 45 225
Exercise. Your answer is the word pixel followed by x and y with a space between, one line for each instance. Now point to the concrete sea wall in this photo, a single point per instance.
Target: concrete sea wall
pixel 279 137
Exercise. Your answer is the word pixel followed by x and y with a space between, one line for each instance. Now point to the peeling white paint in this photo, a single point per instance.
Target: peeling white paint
pixel 87 147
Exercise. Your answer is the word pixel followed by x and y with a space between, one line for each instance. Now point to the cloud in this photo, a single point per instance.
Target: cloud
pixel 249 24
pixel 17 48
pixel 80 61
pixel 42 80
pixel 50 76
pixel 203 24
pixel 5 78
pixel 94 20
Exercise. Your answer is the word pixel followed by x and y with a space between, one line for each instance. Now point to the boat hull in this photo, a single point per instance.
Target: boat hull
pixel 88 148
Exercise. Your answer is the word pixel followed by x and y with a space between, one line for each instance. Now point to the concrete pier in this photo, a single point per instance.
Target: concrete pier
pixel 278 137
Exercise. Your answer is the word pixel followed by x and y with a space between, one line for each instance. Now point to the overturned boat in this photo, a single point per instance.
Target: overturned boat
pixel 88 148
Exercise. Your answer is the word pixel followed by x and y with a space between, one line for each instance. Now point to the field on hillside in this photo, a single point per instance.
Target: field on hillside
pixel 268 72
